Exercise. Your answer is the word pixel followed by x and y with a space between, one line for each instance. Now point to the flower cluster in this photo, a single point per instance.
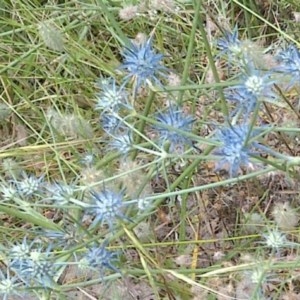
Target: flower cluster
pixel 34 265
pixel 255 86
pixel 237 139
pixel 26 187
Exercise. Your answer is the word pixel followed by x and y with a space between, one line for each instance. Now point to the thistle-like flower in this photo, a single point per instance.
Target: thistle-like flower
pixel 111 97
pixel 29 185
pixel 106 206
pixel 142 64
pixel 172 119
pixel 254 87
pixel 289 63
pixel 122 143
pixel 99 258
pixel 235 150
pixel 230 44
pixel 8 285
pixel 33 265
pixel 62 193
pixel 111 124
pixel 8 192
pixel 275 239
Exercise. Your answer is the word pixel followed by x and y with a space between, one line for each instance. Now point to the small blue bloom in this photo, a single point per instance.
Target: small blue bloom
pixel 111 124
pixel 122 143
pixel 88 159
pixel 112 97
pixel 235 150
pixel 8 285
pixel 289 63
pixel 62 193
pixel 69 235
pixel 8 192
pixel 254 87
pixel 106 206
pixel 230 44
pixel 99 258
pixel 171 119
pixel 142 64
pixel 29 185
pixel 33 265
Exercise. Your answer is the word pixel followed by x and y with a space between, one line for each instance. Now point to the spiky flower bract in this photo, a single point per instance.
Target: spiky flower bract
pixel 8 285
pixel 230 44
pixel 32 264
pixel 106 206
pixel 29 185
pixel 255 86
pixel 122 143
pixel 111 97
pixel 142 64
pixel 8 192
pixel 174 118
pixel 111 123
pixel 275 239
pixel 62 193
pixel 289 63
pixel 99 258
pixel 234 151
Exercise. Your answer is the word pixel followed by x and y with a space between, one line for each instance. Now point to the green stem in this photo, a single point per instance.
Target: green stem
pixel 190 49
pixel 142 124
pixel 212 65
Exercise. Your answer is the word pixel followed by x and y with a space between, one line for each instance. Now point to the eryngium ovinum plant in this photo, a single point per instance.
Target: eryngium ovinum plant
pixel 93 213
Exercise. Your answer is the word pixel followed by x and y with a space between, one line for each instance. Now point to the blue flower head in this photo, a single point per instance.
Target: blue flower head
pixel 33 265
pixel 254 87
pixel 8 191
pixel 111 97
pixel 107 206
pixel 234 151
pixel 289 63
pixel 111 123
pixel 29 185
pixel 62 193
pixel 99 258
pixel 142 64
pixel 8 285
pixel 171 119
pixel 230 44
pixel 122 143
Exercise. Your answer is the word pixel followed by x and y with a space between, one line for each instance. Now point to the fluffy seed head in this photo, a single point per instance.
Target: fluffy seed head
pixel 128 12
pixel 51 36
pixel 285 216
